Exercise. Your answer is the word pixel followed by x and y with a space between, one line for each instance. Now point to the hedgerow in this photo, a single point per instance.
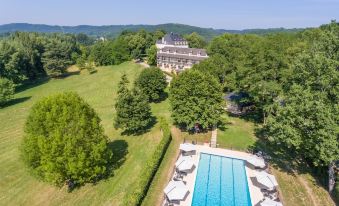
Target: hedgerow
pixel 147 174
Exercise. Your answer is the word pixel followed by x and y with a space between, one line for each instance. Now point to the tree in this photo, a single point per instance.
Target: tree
pixel 82 59
pixel 137 44
pixel 217 66
pixel 102 53
pixel 6 90
pixel 123 85
pixel 307 126
pixel 141 115
pixel 152 83
pixel 195 40
pixel 11 63
pixel 306 120
pixel 158 34
pixel 110 52
pixel 195 97
pixel 120 51
pixel 84 39
pixel 58 55
pixel 133 112
pixel 64 141
pixel 152 55
pixel 20 57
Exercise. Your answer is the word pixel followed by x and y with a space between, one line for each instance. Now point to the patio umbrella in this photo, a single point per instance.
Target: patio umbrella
pixel 266 180
pixel 186 165
pixel 176 190
pixel 186 147
pixel 256 162
pixel 268 202
pixel 182 159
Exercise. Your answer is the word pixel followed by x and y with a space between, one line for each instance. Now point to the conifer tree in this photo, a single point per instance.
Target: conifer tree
pixel 133 112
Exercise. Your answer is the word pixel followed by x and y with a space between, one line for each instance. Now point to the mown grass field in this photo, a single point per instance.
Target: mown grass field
pixel 236 134
pixel 18 187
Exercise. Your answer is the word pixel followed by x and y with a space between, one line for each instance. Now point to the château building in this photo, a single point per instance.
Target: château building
pixel 172 39
pixel 174 55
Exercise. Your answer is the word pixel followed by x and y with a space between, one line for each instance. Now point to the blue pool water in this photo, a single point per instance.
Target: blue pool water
pixel 221 181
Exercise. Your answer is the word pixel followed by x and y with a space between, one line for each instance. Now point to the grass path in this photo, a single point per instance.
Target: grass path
pixel 313 199
pixel 301 189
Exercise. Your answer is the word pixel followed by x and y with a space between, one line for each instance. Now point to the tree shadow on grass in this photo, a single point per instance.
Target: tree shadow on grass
pixel 286 160
pixel 224 124
pixel 142 130
pixel 163 97
pixel 15 101
pixel 30 84
pixel 119 149
pixel 251 116
pixel 67 74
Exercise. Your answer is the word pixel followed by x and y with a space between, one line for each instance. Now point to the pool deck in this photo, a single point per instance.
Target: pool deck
pixel 255 192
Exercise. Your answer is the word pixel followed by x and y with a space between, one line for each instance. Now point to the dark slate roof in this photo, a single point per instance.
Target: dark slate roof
pixel 172 37
pixel 179 50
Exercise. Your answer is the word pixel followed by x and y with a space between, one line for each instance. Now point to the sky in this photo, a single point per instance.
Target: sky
pixel 218 14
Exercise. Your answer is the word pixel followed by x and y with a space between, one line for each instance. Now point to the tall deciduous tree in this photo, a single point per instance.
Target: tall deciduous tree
pixel 64 141
pixel 307 120
pixel 195 40
pixel 152 55
pixel 306 125
pixel 218 66
pixel 195 98
pixel 152 82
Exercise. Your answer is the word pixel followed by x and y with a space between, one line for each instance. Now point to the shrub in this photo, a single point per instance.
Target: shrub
pixel 6 90
pixel 146 176
pixel 152 83
pixel 64 141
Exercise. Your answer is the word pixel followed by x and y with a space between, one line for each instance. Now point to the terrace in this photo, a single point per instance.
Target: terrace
pixel 188 175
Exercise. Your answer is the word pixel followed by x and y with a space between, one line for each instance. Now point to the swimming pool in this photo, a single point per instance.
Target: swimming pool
pixel 221 181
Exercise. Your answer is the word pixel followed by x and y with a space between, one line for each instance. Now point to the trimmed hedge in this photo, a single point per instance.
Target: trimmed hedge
pixel 147 174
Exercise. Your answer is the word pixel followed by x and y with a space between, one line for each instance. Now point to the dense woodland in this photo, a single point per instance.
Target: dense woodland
pixel 289 81
pixel 29 56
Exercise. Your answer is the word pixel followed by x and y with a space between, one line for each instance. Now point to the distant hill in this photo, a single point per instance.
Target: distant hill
pixel 115 30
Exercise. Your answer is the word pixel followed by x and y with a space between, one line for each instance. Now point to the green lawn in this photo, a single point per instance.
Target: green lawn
pixel 18 187
pixel 236 134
